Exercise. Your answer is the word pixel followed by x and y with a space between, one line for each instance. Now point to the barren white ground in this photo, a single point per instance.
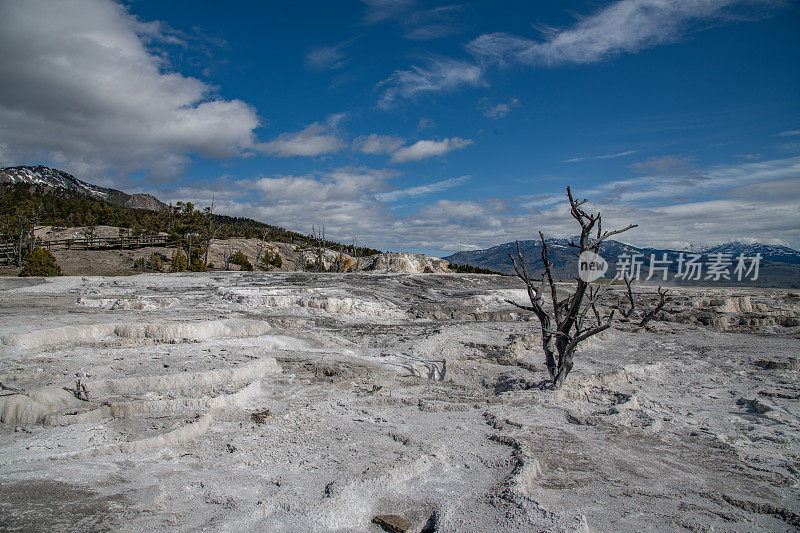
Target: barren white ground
pixel 692 424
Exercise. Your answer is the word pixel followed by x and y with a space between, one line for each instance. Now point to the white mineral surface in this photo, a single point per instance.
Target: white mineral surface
pixel 420 395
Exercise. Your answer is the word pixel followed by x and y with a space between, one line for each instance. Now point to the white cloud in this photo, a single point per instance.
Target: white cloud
pixel 315 140
pixel 439 75
pixel 663 165
pixel 377 144
pixel 625 26
pixel 425 123
pixel 789 133
pixel 322 139
pixel 749 201
pixel 342 185
pixel 616 155
pixel 671 182
pixel 603 156
pixel 420 190
pixel 500 110
pixel 81 87
pixel 432 23
pixel 424 149
pixel 418 25
pixel 326 58
pixel 343 199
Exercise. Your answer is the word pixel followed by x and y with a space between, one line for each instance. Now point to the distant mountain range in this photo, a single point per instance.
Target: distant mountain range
pixel 47 177
pixel 779 266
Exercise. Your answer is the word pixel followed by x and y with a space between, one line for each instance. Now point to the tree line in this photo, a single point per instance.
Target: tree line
pixel 25 208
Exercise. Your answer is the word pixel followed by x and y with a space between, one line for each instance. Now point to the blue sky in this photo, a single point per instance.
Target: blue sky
pixel 423 126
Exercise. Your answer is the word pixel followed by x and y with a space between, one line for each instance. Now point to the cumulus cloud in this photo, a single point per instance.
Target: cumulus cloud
pixel 377 144
pixel 438 75
pixel 314 140
pixel 342 185
pixel 344 199
pixel 81 87
pixel 625 26
pixel 424 149
pixel 322 139
pixel 747 201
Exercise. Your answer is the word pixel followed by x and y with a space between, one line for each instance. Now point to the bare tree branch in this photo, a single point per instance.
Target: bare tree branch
pixel 653 312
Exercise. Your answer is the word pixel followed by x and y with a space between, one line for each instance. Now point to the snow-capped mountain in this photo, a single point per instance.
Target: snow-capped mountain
pixel 779 265
pixel 47 177
pixel 769 252
pixel 50 177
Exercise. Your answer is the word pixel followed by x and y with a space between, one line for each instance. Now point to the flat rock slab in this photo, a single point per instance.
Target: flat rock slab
pixel 393 523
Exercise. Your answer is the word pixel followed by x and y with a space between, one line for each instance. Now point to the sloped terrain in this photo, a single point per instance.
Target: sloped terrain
pixel 314 402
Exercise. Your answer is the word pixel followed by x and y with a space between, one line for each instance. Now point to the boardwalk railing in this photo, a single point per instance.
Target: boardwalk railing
pixel 8 249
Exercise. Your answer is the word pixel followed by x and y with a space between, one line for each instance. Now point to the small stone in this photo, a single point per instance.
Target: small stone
pixel 754 405
pixel 392 522
pixel 231 448
pixel 261 417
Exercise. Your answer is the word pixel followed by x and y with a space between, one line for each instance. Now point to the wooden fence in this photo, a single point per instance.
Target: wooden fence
pixel 9 249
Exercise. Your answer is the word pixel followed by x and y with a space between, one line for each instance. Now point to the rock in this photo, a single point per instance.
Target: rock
pixel 631 404
pixel 261 417
pixel 330 259
pixel 792 363
pixel 392 522
pixel 754 405
pixel 507 382
pixel 580 420
pixel 431 524
pixel 403 262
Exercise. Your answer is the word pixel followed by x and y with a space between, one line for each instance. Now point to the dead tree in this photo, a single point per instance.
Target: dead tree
pixel 318 240
pixel 662 299
pixel 355 251
pixel 210 227
pixel 569 321
pixel 262 245
pixel 627 314
pixel 630 313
